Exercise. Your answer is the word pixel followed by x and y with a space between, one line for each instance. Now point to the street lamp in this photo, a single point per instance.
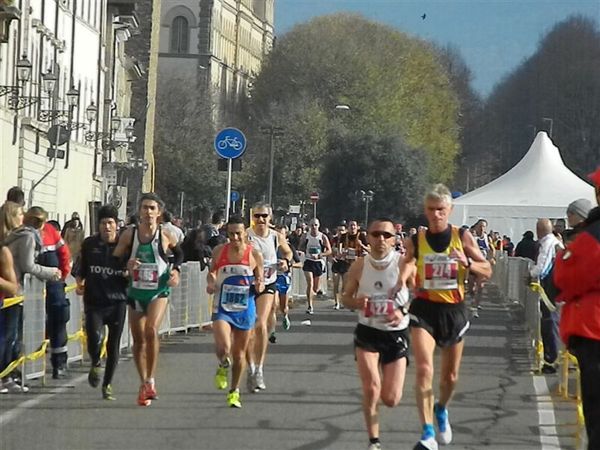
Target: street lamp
pixel 73 97
pixel 49 82
pixel 366 197
pixel 91 113
pixel 273 132
pixel 129 131
pixel 23 69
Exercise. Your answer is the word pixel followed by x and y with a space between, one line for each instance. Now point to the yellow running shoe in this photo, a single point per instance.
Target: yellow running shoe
pixel 233 399
pixel 221 378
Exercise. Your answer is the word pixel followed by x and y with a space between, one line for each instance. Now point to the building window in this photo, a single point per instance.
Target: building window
pixel 180 33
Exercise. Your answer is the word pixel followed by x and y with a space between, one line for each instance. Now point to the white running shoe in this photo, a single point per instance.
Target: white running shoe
pixel 260 381
pixel 426 444
pixel 444 435
pixel 375 446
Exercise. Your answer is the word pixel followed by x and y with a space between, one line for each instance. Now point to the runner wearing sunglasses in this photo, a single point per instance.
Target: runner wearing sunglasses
pixel 381 336
pixel 268 242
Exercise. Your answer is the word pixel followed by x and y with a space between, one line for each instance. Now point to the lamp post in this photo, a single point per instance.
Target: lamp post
pixel 366 197
pixel 273 132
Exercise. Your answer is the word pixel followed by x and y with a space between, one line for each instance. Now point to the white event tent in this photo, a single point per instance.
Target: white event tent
pixel 539 186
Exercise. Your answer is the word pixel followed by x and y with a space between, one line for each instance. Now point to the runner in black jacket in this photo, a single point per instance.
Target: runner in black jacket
pixel 101 280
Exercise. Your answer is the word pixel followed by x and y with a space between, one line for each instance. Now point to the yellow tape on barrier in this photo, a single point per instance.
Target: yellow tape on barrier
pixel 31 357
pixel 537 287
pixel 8 302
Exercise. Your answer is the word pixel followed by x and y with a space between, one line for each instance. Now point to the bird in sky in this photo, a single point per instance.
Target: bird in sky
pixel 424 16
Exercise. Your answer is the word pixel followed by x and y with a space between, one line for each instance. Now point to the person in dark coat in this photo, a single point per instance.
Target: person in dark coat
pixel 527 247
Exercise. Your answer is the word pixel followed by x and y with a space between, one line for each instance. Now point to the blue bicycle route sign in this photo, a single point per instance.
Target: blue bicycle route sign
pixel 230 143
pixel 235 196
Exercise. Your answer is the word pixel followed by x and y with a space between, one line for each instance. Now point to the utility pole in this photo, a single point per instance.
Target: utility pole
pixel 273 132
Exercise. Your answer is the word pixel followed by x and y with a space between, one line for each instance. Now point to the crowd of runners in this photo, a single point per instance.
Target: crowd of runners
pixel 408 292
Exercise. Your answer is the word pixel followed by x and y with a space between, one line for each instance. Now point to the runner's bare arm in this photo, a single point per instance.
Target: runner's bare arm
pixel 349 298
pixel 327 251
pixel 211 276
pixel 285 251
pixel 472 257
pixel 8 279
pixel 408 266
pixel 258 269
pixel 123 250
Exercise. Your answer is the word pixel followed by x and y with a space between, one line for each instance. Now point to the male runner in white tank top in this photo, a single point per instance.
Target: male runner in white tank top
pixel 381 336
pixel 267 242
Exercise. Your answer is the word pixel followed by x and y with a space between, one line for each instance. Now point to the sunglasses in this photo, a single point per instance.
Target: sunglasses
pixel 262 216
pixel 378 234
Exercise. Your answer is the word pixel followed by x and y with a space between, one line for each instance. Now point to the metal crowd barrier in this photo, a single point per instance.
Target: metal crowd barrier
pixel 511 276
pixel 189 307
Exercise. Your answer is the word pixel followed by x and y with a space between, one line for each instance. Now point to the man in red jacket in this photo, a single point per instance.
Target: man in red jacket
pixel 55 253
pixel 577 276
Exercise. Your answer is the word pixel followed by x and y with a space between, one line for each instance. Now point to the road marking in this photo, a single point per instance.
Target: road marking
pixel 547 419
pixel 15 412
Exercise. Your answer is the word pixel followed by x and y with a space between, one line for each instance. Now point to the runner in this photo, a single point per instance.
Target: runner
pixel 381 336
pixel 488 250
pixel 268 242
pixel 442 255
pixel 340 264
pixel 283 287
pixel 145 247
pixel 316 247
pixel 236 274
pixel 104 288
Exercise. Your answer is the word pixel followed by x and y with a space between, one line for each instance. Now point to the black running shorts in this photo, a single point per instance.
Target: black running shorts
pixel 391 345
pixel 269 289
pixel 340 267
pixel 446 322
pixel 314 267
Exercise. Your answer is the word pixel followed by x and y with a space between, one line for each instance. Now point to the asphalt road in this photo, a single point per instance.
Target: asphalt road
pixel 312 399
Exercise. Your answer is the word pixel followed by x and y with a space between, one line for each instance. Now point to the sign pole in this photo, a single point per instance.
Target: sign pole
pixel 229 164
pixel 314 210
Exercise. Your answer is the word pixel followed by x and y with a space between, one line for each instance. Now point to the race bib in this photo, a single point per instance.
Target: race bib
pixel 145 276
pixel 270 270
pixel 379 306
pixel 441 272
pixel 234 298
pixel 314 252
pixel 351 253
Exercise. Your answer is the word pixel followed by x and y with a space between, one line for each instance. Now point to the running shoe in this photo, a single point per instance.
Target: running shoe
pixel 221 378
pixel 444 435
pixel 309 310
pixel 286 323
pixel 13 386
pixel 260 381
pixel 94 376
pixel 251 382
pixel 320 293
pixel 426 444
pixel 3 388
pixel 107 393
pixel 375 446
pixel 151 391
pixel 272 338
pixel 475 313
pixel 143 399
pixel 336 306
pixel 233 399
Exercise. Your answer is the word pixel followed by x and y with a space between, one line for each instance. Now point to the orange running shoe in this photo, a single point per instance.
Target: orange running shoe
pixel 143 399
pixel 151 391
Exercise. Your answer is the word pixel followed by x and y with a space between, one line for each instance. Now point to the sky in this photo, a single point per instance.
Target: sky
pixel 493 36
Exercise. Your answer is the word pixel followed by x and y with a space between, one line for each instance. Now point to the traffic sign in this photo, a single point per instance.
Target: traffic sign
pixel 230 143
pixel 235 196
pixel 58 135
pixel 314 197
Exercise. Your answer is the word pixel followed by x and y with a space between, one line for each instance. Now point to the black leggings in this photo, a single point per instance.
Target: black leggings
pixel 114 318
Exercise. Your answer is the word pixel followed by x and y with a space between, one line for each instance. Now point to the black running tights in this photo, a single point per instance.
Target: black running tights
pixel 114 318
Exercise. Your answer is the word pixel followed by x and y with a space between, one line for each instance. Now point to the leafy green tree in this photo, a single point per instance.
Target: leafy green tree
pixel 395 85
pixel 386 165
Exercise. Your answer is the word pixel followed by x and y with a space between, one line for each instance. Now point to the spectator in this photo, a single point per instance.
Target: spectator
pixel 198 244
pixel 8 288
pixel 548 245
pixel 24 242
pixel 577 212
pixel 73 234
pixel 167 219
pixel 16 195
pixel 577 276
pixel 509 246
pixel 527 246
pixel 55 253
